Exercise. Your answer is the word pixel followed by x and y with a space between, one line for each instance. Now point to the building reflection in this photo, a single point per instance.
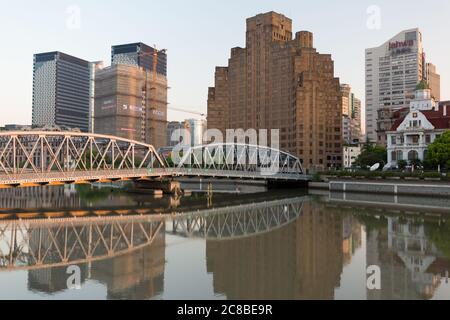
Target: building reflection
pixel 40 197
pixel 303 260
pixel 352 238
pixel 135 276
pixel 52 280
pixel 100 250
pixel 412 266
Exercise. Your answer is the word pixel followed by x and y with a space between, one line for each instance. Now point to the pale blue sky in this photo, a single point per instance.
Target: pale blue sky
pixel 198 35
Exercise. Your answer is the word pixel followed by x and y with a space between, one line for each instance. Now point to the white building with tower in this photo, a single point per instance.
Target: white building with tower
pixel 426 121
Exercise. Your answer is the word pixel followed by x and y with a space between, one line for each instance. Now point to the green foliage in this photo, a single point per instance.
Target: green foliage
pixel 170 162
pixel 416 163
pixel 402 164
pixel 432 175
pixel 372 154
pixel 317 177
pixel 372 223
pixel 88 194
pixel 422 85
pixel 440 236
pixel 439 152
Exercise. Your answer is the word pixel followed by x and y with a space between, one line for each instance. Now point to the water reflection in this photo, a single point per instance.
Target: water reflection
pixel 269 247
pixel 413 257
pixel 302 260
pixel 126 255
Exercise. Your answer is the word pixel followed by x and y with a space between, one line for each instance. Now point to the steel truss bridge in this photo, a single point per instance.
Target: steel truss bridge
pixel 33 158
pixel 28 244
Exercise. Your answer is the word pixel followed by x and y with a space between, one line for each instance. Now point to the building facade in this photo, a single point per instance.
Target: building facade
pixel 15 127
pixel 94 67
pixel 392 73
pixel 281 82
pixel 410 136
pixel 172 128
pixel 129 104
pixel 61 91
pixel 434 81
pixel 197 129
pixel 351 153
pixel 192 129
pixel 351 115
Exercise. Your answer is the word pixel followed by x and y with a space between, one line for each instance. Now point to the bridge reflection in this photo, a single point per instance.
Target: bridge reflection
pixel 45 244
pixel 125 252
pixel 295 248
pixel 238 221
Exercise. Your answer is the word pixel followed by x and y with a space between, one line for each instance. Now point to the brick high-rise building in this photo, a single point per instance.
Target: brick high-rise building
pixel 281 82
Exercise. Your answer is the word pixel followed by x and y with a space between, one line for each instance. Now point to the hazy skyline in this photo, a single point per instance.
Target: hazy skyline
pixel 199 36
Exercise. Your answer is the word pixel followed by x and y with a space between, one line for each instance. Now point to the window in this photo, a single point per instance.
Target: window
pixel 413 155
pixel 394 155
pixel 393 140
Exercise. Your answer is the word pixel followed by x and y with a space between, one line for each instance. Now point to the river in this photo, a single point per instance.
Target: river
pixel 81 242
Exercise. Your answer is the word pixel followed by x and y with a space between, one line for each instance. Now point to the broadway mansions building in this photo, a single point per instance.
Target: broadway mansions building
pixel 281 82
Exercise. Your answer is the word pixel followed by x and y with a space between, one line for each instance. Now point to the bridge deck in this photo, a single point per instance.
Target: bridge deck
pixel 27 179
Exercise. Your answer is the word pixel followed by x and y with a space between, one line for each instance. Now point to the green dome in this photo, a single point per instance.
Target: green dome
pixel 422 85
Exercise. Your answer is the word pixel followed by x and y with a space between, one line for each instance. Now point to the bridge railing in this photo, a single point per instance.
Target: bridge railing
pixel 236 157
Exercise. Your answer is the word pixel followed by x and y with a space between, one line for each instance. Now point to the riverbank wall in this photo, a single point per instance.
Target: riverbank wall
pixel 391 187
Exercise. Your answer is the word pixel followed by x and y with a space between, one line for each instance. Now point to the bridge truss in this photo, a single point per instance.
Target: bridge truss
pixel 32 156
pixel 241 157
pixel 239 221
pixel 46 244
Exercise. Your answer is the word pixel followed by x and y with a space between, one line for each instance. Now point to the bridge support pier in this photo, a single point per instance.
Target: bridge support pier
pixel 167 186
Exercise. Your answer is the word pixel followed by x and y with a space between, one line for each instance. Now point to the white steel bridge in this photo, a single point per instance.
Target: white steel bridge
pixel 33 158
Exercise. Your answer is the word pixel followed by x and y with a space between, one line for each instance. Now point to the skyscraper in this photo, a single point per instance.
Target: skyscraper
pixel 141 55
pixel 278 82
pixel 392 72
pixel 61 91
pixel 125 107
pixel 130 98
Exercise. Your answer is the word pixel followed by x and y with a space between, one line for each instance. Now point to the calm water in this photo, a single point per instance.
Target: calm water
pixel 277 245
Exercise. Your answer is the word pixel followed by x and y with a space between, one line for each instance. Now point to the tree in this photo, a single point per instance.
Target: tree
pixel 416 163
pixel 402 164
pixel 439 152
pixel 371 154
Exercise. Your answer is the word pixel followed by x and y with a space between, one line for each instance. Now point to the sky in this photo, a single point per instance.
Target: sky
pixel 199 34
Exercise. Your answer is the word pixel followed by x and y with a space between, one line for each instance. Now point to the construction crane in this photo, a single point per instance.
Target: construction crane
pixel 187 111
pixel 153 98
